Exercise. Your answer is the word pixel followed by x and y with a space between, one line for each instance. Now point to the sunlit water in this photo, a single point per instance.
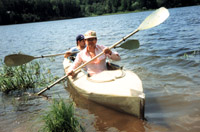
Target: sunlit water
pixel 167 61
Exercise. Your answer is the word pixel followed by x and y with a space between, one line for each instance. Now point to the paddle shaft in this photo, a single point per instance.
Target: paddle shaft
pixel 48 87
pixel 44 56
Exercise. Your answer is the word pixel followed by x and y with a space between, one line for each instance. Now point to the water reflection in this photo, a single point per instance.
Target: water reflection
pixel 106 119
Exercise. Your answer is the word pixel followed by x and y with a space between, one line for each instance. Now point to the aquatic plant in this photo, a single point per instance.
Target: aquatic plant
pixel 61 118
pixel 186 55
pixel 191 54
pixel 24 77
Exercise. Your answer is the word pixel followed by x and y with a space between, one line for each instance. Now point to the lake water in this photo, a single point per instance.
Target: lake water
pixel 171 79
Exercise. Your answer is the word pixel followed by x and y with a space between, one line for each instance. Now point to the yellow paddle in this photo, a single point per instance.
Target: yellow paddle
pixel 20 59
pixel 154 19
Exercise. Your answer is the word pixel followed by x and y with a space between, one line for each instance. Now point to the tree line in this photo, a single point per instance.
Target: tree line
pixel 23 11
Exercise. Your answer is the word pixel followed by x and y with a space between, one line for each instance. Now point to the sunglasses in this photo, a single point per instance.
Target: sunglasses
pixel 91 39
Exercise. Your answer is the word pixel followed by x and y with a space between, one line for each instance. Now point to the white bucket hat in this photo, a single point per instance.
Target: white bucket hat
pixel 90 34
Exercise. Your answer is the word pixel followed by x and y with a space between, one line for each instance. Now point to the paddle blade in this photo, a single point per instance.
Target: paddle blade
pixel 156 18
pixel 17 59
pixel 130 44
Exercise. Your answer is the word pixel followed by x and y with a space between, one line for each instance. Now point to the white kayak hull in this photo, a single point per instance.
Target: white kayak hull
pixel 118 89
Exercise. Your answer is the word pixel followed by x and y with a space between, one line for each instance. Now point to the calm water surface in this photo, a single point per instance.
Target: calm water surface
pixel 171 81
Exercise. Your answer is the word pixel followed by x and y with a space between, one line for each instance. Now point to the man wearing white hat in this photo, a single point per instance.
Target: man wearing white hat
pixel 99 64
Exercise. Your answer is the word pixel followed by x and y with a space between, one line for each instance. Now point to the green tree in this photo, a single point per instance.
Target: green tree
pixel 108 6
pixel 2 10
pixel 20 11
pixel 161 2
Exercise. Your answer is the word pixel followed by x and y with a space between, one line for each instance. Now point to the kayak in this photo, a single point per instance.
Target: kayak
pixel 114 88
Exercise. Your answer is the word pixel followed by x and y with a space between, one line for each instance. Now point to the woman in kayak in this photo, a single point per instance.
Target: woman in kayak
pixel 99 64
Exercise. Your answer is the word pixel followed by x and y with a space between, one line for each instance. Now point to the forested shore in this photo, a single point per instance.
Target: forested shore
pixel 24 11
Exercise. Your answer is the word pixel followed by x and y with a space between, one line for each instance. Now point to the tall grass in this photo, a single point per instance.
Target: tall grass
pixel 61 118
pixel 24 77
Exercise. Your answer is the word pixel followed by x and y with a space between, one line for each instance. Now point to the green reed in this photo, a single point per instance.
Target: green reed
pixel 61 118
pixel 24 77
pixel 192 54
